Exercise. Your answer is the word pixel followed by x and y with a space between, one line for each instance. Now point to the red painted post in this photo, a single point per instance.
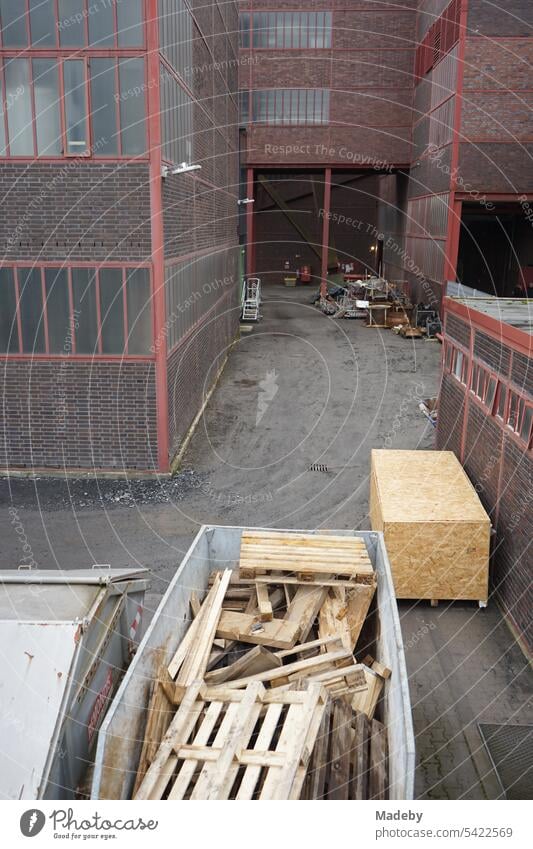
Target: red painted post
pixel 158 257
pixel 250 221
pixel 325 233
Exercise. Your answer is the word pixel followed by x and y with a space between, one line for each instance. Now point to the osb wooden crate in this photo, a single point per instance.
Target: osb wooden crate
pixel 436 531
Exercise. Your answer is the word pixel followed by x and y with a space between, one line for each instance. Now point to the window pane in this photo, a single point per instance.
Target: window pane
pixel 304 29
pixel 319 29
pixel 279 29
pixel 75 107
pixel 271 35
pixel 102 23
pixel 71 23
pixel 18 107
pixel 112 310
pixel 104 106
pixel 46 91
pixel 9 342
pixel 2 120
pixel 42 23
pixel 325 106
pixel 501 401
pixel 13 20
pixel 327 34
pixel 130 23
pixel 312 29
pixel 525 428
pixel 244 22
pixel 491 392
pixel 84 303
pixel 132 94
pixel 302 105
pixel 57 311
pixel 31 310
pixel 139 311
pixel 295 29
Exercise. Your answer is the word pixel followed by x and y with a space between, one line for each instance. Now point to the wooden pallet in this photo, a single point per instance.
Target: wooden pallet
pixel 308 557
pixel 229 744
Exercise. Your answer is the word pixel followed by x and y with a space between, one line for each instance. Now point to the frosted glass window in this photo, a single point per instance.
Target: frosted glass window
pixel 18 107
pixel 47 120
pixel 75 107
pixel 84 303
pixel 102 23
pixel 58 311
pixel 31 310
pixel 132 106
pixel 9 342
pixel 71 23
pixel 13 23
pixel 42 23
pixel 139 311
pixel 111 310
pixel 104 107
pixel 130 23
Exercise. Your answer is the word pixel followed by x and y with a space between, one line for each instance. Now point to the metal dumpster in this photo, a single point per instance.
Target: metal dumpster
pixel 216 547
pixel 65 640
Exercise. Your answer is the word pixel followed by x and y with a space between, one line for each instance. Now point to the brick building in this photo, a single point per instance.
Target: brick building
pixel 118 278
pixel 413 116
pixel 486 418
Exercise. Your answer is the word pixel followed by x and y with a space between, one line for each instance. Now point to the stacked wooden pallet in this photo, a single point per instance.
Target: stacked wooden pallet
pixel 264 698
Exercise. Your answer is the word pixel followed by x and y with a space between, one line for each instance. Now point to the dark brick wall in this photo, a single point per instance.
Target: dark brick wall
pixel 458 330
pixel 75 210
pixel 512 18
pixel 193 365
pixel 522 372
pixel 74 414
pixel 512 573
pixel 451 414
pixel 483 447
pixel 492 352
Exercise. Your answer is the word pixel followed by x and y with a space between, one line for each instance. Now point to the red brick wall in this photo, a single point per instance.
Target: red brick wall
pixel 72 414
pixel 500 468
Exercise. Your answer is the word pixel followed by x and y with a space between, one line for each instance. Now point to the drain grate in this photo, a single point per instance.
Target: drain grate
pixel 318 467
pixel 510 748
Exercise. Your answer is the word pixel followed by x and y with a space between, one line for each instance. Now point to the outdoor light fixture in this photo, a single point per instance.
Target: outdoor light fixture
pixel 166 170
pixel 244 201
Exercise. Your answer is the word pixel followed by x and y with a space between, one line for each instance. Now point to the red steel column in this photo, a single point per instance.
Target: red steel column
pixel 158 256
pixel 250 221
pixel 454 214
pixel 325 233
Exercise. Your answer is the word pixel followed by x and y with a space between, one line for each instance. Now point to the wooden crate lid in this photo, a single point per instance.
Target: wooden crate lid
pixel 424 486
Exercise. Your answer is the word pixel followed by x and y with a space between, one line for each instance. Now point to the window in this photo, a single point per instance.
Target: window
pixel 115 127
pixel 459 365
pixel 58 311
pixel 286 30
pixel 71 23
pixel 439 40
pixel 519 416
pixel 130 23
pixel 290 106
pixel 31 310
pixel 8 312
pixel 82 311
pixel 176 35
pixel 13 24
pixel 47 118
pixel 176 119
pixel 42 23
pixel 18 107
pixel 75 107
pixel 502 398
pixel 483 385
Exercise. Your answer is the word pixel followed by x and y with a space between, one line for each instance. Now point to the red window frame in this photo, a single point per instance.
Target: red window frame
pixel 98 354
pixel 451 356
pixel 89 152
pixel 87 4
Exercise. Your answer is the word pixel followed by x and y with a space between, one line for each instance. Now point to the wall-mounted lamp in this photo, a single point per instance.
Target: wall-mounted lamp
pixel 244 201
pixel 184 168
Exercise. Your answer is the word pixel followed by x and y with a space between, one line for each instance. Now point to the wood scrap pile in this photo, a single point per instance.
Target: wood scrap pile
pixel 264 698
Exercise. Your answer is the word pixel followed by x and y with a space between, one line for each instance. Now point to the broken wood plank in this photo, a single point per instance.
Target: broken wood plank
pixel 253 662
pixel 304 608
pixel 263 602
pixel 341 737
pixel 366 700
pixel 360 754
pixel 195 664
pixel 358 601
pixel 319 765
pixel 332 620
pixel 247 628
pixel 377 771
pixel 303 667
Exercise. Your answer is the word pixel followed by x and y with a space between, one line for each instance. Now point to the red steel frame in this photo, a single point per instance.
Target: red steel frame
pixel 325 233
pixel 158 247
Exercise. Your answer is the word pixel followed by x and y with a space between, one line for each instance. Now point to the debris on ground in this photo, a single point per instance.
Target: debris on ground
pixel 49 494
pixel 263 698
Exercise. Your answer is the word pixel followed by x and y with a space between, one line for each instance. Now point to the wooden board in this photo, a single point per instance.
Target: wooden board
pixel 261 746
pixel 254 661
pixel 248 629
pixel 436 531
pixel 306 555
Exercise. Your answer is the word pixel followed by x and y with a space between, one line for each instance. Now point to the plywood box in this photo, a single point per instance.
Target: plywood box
pixel 436 531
